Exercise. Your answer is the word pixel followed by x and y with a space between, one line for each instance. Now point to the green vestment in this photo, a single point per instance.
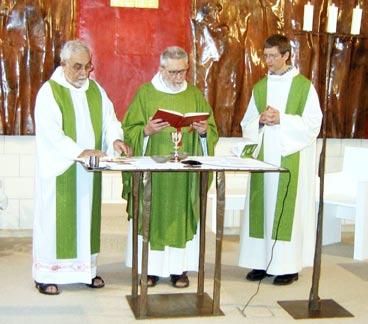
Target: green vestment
pixel 175 195
pixel 282 227
pixel 66 183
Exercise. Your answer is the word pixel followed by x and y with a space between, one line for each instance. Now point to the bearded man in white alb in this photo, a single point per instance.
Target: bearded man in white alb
pixel 284 116
pixel 74 119
pixel 174 220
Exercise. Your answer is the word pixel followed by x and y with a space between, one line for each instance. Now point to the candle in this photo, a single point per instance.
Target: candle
pixel 356 21
pixel 332 18
pixel 308 17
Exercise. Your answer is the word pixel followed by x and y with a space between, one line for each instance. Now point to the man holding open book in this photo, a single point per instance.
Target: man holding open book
pixel 174 234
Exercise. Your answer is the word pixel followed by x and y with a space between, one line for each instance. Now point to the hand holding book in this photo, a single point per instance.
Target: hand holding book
pixel 179 120
pixel 201 127
pixel 154 126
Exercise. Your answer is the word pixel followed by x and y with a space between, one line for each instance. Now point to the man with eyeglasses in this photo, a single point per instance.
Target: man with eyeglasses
pixel 74 119
pixel 174 235
pixel 284 118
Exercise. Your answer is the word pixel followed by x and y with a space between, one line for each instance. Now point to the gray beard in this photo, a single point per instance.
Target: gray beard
pixel 172 86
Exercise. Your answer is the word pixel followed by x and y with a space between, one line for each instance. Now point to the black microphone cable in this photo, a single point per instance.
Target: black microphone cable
pixel 272 249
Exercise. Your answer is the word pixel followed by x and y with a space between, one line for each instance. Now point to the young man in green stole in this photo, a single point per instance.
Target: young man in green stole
pixel 175 195
pixel 74 119
pixel 284 117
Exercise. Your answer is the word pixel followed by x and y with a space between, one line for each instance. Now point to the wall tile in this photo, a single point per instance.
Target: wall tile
pixel 19 145
pixel 19 188
pixel 351 142
pixel 26 211
pixel 225 145
pixel 9 165
pixel 27 165
pixel 333 164
pixel 2 144
pixel 364 143
pixel 9 218
pixel 17 172
pixel 333 147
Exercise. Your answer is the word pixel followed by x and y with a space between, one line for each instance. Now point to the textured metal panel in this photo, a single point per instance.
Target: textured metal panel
pixel 31 33
pixel 229 37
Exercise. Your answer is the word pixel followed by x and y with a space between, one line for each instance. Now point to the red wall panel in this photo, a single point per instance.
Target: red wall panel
pixel 127 42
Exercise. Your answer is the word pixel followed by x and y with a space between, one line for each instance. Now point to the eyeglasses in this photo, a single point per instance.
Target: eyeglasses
pixel 177 72
pixel 271 56
pixel 77 67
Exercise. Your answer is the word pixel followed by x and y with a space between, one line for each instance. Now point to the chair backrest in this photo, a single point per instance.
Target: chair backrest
pixel 355 163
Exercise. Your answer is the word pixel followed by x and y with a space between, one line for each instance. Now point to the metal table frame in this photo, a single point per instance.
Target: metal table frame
pixel 180 304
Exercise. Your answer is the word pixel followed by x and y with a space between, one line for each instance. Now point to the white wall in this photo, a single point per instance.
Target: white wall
pixel 17 176
pixel 17 163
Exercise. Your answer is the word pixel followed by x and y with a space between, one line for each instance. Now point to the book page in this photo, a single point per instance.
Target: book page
pixel 170 111
pixel 193 114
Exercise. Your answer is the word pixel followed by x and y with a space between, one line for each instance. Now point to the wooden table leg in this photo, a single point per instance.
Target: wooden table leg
pixel 136 181
pixel 202 242
pixel 145 233
pixel 220 210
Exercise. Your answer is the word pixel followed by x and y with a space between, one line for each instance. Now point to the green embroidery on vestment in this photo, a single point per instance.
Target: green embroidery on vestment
pixel 295 106
pixel 66 183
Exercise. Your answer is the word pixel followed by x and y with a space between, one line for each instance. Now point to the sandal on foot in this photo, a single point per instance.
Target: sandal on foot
pixel 152 280
pixel 47 289
pixel 180 281
pixel 97 282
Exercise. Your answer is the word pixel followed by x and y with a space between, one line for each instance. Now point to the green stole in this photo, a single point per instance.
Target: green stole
pixel 295 106
pixel 66 183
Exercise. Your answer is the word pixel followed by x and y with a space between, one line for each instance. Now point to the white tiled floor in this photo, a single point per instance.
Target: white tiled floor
pixel 342 279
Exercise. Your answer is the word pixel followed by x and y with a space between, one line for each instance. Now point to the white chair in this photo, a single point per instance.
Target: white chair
pixel 346 197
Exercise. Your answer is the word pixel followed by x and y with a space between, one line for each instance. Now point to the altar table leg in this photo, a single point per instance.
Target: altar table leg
pixel 220 209
pixel 145 236
pixel 202 238
pixel 136 181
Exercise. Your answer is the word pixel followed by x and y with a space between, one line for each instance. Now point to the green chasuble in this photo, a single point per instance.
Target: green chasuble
pixel 175 195
pixel 295 106
pixel 66 183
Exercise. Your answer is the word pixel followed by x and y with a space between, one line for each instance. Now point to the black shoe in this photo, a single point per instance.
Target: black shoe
pixel 256 275
pixel 151 280
pixel 47 289
pixel 180 281
pixel 286 279
pixel 97 282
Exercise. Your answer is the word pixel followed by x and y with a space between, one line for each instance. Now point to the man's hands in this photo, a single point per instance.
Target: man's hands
pixel 201 127
pixel 270 117
pixel 154 126
pixel 121 147
pixel 87 153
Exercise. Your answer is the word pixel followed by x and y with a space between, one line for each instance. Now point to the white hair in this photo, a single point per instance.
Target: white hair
pixel 73 46
pixel 174 53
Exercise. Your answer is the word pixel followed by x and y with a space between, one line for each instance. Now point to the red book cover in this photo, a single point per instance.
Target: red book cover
pixel 177 119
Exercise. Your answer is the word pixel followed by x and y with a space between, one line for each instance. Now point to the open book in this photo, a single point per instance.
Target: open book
pixel 177 119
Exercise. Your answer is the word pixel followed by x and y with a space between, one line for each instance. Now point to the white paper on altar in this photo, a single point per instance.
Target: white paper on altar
pixel 222 163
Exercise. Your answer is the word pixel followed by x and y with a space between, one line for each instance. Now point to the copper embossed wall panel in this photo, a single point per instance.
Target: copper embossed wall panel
pixel 31 33
pixel 229 37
